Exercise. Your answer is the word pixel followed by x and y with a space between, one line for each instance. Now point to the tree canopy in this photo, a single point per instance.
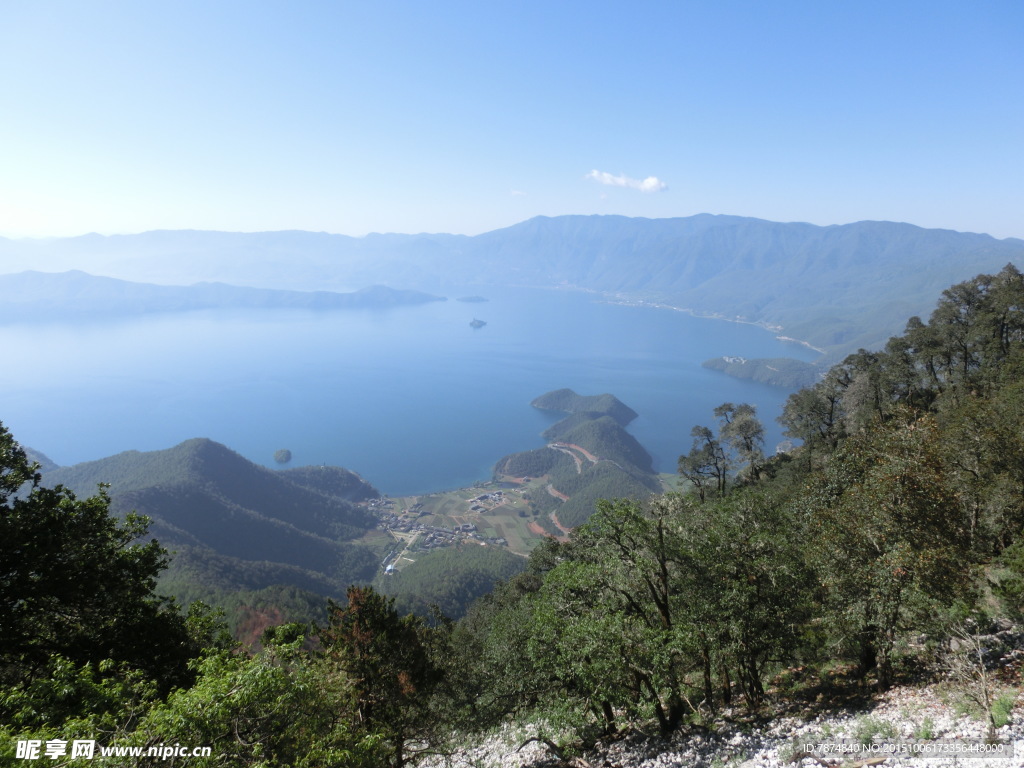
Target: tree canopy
pixel 76 582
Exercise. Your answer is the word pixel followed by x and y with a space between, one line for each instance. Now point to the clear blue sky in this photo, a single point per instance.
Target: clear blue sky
pixel 440 116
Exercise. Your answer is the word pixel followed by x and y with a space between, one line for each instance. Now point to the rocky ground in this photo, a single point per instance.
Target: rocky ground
pixel 931 717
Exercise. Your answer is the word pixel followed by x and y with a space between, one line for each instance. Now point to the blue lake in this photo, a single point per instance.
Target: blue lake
pixel 412 398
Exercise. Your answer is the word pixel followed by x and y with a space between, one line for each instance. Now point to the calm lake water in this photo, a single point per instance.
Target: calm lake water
pixel 412 398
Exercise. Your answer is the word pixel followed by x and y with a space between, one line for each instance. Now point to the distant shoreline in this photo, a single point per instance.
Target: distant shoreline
pixel 807 344
pixel 620 300
pixel 776 329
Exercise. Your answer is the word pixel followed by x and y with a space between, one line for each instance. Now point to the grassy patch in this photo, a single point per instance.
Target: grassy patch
pixel 869 729
pixel 925 730
pixel 1002 708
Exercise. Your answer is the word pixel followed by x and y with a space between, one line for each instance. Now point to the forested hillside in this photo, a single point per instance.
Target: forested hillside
pixel 234 525
pixel 842 566
pixel 777 371
pixel 449 580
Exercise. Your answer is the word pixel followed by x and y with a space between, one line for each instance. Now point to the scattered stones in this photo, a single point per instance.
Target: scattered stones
pixel 905 715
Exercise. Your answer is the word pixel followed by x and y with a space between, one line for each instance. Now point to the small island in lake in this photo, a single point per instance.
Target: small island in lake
pixel 477 323
pixel 282 456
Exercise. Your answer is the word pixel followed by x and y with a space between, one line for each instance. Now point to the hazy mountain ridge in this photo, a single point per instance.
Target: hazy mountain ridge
pixel 290 259
pixel 794 275
pixel 838 287
pixel 46 464
pixel 44 294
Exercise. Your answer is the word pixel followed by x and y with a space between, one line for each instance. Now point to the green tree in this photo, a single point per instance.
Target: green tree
pixel 889 540
pixel 744 434
pixel 609 616
pixel 706 466
pixel 814 415
pixel 490 675
pixel 75 583
pixel 738 450
pixel 387 659
pixel 649 597
pixel 983 450
pixel 748 589
pixel 280 707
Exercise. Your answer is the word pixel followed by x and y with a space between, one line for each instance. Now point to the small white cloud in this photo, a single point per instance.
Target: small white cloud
pixel 516 193
pixel 650 184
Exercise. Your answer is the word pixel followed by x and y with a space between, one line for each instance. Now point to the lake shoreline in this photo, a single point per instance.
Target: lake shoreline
pixel 763 325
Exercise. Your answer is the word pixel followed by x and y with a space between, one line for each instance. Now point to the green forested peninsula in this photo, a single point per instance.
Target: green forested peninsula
pixel 776 371
pixel 603 437
pixel 805 578
pixel 589 456
pixel 334 482
pixel 568 401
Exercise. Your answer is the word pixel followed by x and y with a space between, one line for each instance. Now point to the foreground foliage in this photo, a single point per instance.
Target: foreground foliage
pixel 907 488
pixel 73 583
pixel 900 514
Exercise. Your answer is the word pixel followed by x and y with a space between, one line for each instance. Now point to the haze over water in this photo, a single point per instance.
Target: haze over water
pixel 412 398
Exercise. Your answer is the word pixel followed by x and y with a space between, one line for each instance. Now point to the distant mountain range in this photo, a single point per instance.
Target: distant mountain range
pixel 837 287
pixel 52 295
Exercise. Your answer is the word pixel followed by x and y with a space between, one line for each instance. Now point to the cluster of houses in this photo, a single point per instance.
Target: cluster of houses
pixel 432 536
pixel 486 501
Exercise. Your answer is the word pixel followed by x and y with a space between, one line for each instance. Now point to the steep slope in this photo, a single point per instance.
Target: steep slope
pixel 450 579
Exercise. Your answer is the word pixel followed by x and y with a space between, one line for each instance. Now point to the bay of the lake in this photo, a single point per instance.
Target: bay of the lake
pixel 412 398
